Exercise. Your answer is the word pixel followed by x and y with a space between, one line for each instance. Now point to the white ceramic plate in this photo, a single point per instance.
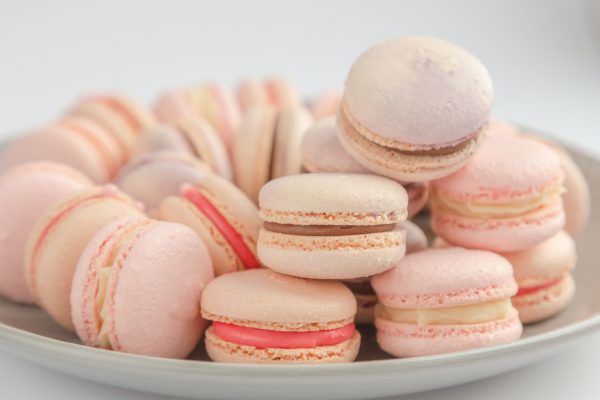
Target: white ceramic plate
pixel 28 333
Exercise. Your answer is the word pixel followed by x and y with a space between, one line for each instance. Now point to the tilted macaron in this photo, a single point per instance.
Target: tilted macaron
pixel 121 116
pixel 507 198
pixel 137 288
pixel 277 92
pixel 361 287
pixel 26 192
pixel 58 239
pixel 268 146
pixel 261 316
pixel 414 108
pixel 327 104
pixel 445 300
pixel 152 178
pixel 212 103
pixel 78 142
pixel 190 136
pixel 543 273
pixel 223 216
pixel 331 226
pixel 321 151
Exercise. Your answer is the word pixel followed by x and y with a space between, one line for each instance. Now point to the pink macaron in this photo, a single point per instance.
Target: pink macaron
pixel 137 288
pixel 332 226
pixel 276 92
pixel 327 104
pixel 192 136
pixel 223 216
pixel 260 316
pixel 210 102
pixel 58 239
pixel 414 108
pixel 507 198
pixel 267 146
pixel 543 273
pixel 78 142
pixel 26 192
pixel 444 300
pixel 153 177
pixel 321 151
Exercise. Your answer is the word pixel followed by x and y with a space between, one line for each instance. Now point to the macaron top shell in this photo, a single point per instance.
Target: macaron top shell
pixel 447 277
pixel 266 297
pixel 419 90
pixel 416 240
pixel 504 169
pixel 321 150
pixel 333 199
pixel 552 257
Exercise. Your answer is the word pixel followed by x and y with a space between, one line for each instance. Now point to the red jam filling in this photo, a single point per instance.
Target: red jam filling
pixel 232 236
pixel 523 291
pixel 263 339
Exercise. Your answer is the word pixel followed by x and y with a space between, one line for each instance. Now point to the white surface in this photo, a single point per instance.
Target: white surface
pixel 544 57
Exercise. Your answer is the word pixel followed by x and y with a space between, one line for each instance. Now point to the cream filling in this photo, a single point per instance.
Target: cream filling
pixel 497 210
pixel 102 307
pixel 462 315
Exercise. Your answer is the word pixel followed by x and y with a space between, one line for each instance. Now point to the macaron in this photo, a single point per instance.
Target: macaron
pixel 26 192
pixel 326 104
pixel 543 273
pixel 331 226
pixel 191 136
pixel 321 151
pixel 445 300
pixel 137 288
pixel 267 146
pixel 507 198
pixel 121 116
pixel 211 102
pixel 275 91
pixel 57 241
pixel 223 217
pixel 366 299
pixel 260 316
pixel 414 108
pixel 152 178
pixel 78 142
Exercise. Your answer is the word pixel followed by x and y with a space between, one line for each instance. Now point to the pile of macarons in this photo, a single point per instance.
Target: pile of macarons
pixel 270 229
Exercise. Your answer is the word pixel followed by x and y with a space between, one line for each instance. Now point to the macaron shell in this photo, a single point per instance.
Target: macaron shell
pixel 327 104
pixel 170 324
pixel 289 129
pixel 159 138
pixel 331 257
pixel 418 194
pixel 395 87
pixel 546 303
pixel 446 277
pixel 227 352
pixel 58 254
pixel 416 240
pixel 26 192
pixel 278 302
pixel 58 145
pixel 406 340
pixel 282 93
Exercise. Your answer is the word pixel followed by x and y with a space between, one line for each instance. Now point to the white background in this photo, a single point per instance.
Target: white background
pixel 543 55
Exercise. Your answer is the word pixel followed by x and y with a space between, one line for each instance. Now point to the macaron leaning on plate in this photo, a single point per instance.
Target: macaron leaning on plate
pixel 26 192
pixel 331 226
pixel 223 216
pixel 414 108
pixel 153 177
pixel 267 146
pixel 137 288
pixel 507 198
pixel 543 274
pixel 321 151
pixel 57 241
pixel 260 316
pixel 444 300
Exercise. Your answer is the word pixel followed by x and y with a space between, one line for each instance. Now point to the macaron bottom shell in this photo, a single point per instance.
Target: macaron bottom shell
pixel 220 350
pixel 545 303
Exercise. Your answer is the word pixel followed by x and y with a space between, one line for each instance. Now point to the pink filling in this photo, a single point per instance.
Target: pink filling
pixel 232 236
pixel 262 338
pixel 528 290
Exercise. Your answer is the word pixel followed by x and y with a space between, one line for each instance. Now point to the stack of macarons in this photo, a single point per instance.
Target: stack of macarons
pixel 279 229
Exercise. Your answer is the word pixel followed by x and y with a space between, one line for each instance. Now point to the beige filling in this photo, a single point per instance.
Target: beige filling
pixel 497 210
pixel 326 230
pixel 462 315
